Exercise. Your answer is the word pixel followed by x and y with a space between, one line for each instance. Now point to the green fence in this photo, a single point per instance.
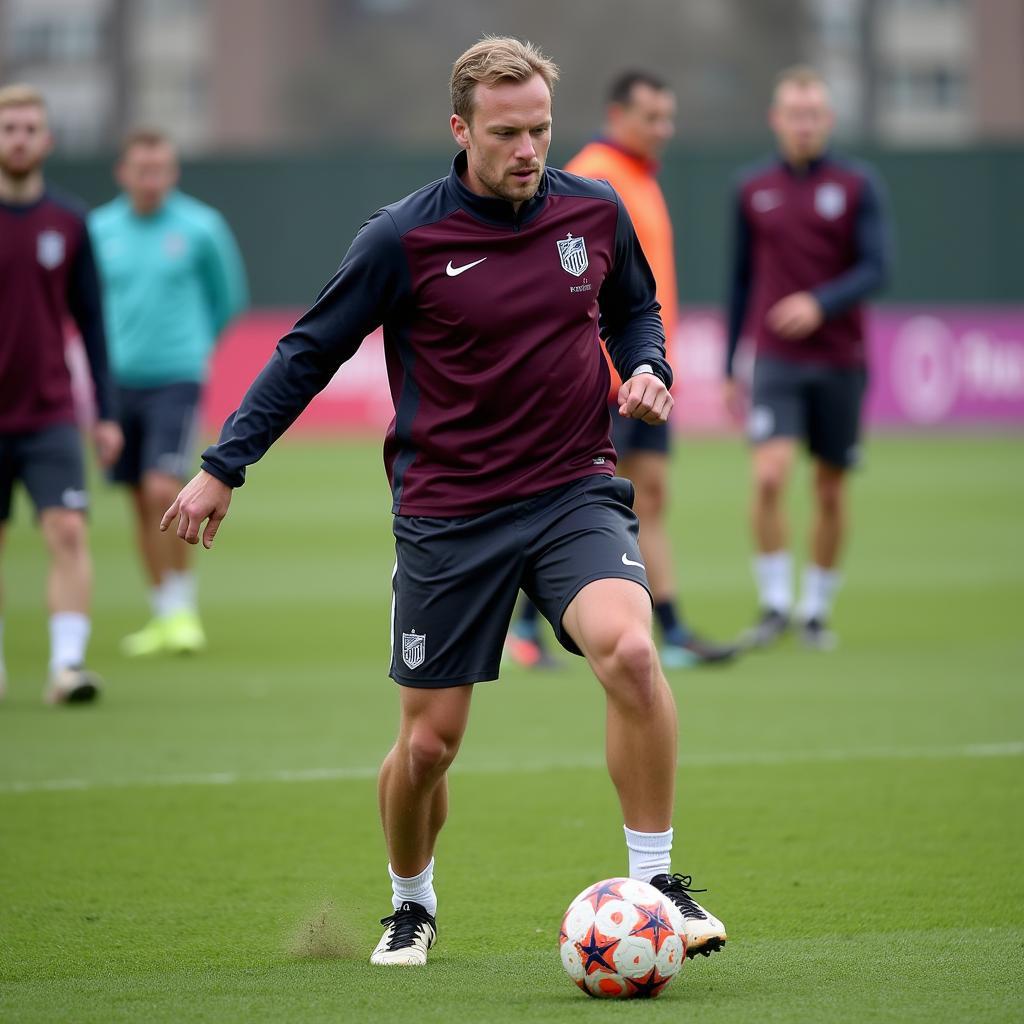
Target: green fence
pixel 959 215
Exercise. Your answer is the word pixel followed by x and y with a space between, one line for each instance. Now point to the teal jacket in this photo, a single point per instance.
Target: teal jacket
pixel 171 283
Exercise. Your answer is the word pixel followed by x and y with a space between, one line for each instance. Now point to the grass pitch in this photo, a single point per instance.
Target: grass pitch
pixel 204 845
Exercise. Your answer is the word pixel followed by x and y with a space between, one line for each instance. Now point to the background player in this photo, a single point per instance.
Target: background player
pixel 47 276
pixel 639 123
pixel 811 244
pixel 498 456
pixel 172 280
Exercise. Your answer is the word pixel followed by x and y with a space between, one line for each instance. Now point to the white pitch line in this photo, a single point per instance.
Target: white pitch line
pixel 782 757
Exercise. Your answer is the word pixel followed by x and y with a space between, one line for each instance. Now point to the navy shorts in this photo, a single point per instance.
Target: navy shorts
pixel 50 463
pixel 456 580
pixel 631 436
pixel 160 426
pixel 817 403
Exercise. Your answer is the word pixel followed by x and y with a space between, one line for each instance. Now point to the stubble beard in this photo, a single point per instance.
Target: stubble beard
pixel 516 193
pixel 19 174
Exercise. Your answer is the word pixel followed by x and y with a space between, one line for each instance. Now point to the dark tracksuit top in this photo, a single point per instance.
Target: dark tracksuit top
pixel 47 276
pixel 491 332
pixel 822 229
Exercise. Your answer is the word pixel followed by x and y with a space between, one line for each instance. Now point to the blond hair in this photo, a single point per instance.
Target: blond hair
pixel 799 74
pixel 496 59
pixel 20 94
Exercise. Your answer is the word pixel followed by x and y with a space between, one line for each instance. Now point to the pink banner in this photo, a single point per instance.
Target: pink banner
pixel 929 367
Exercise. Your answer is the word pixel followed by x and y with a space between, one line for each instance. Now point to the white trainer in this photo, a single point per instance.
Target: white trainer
pixel 73 685
pixel 411 931
pixel 705 934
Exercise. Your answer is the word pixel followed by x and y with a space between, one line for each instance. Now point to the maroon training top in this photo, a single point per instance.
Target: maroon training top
pixel 491 332
pixel 47 276
pixel 820 229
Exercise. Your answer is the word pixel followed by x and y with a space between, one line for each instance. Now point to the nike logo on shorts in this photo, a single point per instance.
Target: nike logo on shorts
pixel 629 561
pixel 455 271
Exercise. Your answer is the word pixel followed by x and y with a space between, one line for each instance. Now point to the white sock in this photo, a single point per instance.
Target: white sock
pixel 177 592
pixel 774 574
pixel 418 889
pixel 69 635
pixel 650 853
pixel 819 590
pixel 156 601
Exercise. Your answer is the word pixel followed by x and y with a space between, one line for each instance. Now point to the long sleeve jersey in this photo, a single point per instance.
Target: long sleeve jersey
pixel 822 229
pixel 172 280
pixel 491 320
pixel 47 277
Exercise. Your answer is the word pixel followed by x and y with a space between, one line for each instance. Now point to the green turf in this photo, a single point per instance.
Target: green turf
pixel 172 855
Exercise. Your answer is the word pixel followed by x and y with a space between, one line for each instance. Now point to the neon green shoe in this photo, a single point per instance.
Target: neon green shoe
pixel 146 642
pixel 183 633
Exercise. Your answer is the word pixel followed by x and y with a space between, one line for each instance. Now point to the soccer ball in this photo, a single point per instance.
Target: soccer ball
pixel 622 939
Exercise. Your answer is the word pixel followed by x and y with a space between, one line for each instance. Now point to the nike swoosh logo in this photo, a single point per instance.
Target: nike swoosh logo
pixel 455 271
pixel 629 561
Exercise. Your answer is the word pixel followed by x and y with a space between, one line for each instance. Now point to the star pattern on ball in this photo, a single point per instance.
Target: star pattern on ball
pixel 654 926
pixel 596 951
pixel 649 986
pixel 602 891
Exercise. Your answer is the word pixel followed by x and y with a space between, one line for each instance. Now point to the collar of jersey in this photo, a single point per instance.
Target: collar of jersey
pixel 492 210
pixel 23 208
pixel 812 165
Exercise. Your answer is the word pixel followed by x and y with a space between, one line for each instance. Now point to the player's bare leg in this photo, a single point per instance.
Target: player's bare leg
pixel 68 591
pixel 175 625
pixel 821 576
pixel 413 794
pixel 772 467
pixel 648 472
pixel 610 620
pixel 829 527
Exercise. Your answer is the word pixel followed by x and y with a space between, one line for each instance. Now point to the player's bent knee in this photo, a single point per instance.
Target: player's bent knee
pixel 769 481
pixel 629 670
pixel 65 531
pixel 429 754
pixel 159 490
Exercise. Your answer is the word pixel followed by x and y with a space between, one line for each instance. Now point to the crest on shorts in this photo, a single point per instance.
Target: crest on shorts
pixel 50 249
pixel 414 648
pixel 573 254
pixel 830 200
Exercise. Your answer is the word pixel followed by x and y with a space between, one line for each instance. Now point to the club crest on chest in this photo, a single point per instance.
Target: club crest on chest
pixel 50 249
pixel 572 252
pixel 830 200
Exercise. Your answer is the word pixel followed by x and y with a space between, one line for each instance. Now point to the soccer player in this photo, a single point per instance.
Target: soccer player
pixel 172 280
pixel 47 276
pixel 640 121
pixel 811 243
pixel 490 284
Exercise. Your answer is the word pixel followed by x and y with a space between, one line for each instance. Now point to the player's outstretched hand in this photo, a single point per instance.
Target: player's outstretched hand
pixel 203 497
pixel 645 397
pixel 108 441
pixel 795 317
